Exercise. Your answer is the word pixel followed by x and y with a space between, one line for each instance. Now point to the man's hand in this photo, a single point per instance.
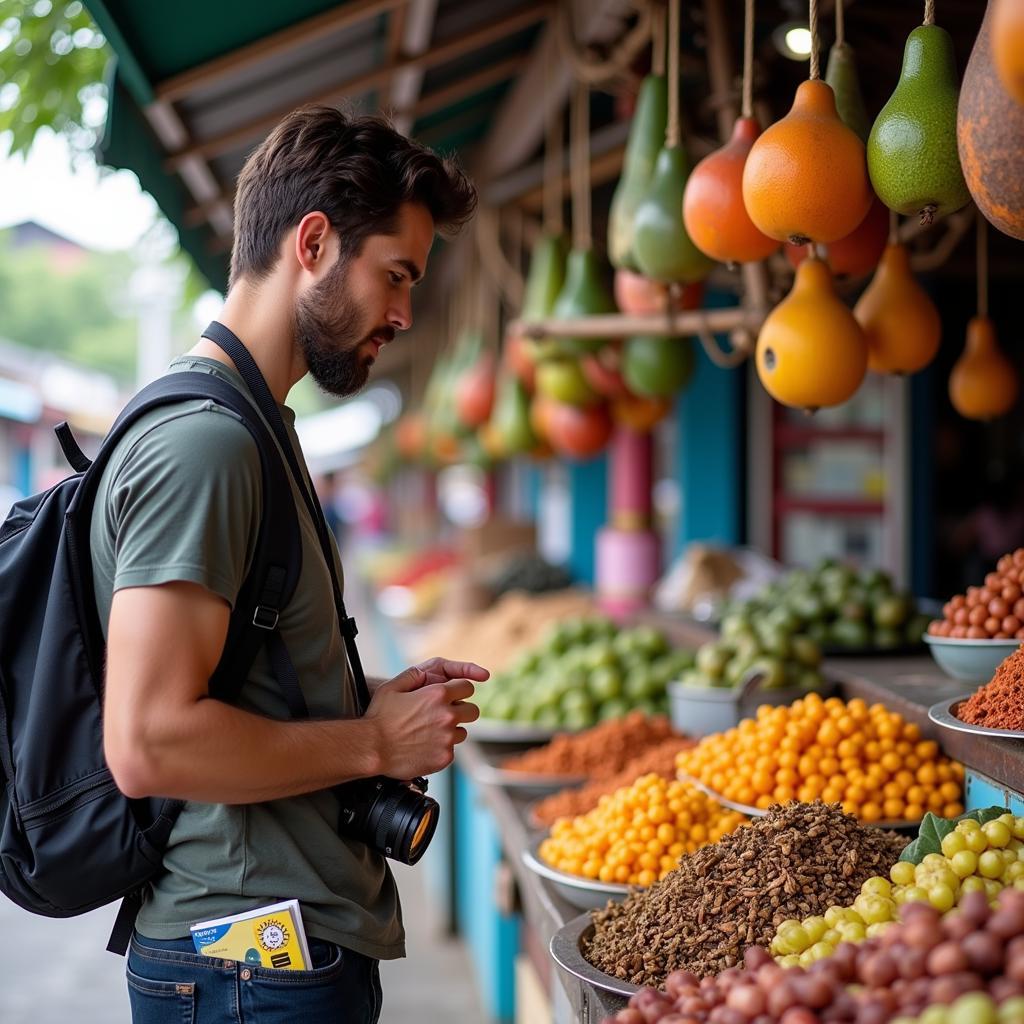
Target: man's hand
pixel 419 716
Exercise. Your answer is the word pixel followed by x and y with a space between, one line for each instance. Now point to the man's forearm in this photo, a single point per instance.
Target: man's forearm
pixel 213 752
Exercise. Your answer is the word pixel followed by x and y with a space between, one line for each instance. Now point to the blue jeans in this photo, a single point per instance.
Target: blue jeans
pixel 170 983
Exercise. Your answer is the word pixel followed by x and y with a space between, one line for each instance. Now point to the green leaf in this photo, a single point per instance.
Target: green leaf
pixel 934 829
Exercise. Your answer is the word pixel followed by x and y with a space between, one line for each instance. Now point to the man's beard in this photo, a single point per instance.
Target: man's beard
pixel 328 331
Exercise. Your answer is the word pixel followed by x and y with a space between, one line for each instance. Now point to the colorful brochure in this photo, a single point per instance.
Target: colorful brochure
pixel 270 936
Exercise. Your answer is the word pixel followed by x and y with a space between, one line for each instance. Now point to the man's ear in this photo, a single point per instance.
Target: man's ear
pixel 311 241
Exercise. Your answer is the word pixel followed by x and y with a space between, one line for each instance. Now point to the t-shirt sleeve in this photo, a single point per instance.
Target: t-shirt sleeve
pixel 185 504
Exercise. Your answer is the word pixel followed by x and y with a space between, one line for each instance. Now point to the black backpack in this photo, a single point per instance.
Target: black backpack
pixel 70 841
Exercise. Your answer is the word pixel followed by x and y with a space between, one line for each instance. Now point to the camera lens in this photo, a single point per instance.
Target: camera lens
pixel 402 822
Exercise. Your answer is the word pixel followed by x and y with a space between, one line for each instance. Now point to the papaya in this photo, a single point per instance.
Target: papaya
pixel 646 137
pixel 663 249
pixel 584 293
pixel 990 138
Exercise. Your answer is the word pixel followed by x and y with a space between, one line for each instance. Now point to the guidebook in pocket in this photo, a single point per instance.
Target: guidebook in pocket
pixel 270 936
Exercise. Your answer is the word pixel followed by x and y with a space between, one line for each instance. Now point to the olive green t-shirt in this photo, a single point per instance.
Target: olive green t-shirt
pixel 181 500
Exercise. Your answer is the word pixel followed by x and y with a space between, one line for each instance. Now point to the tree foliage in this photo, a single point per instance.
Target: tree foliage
pixel 52 60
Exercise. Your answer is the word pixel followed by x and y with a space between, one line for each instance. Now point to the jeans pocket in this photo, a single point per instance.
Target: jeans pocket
pixel 160 1002
pixel 330 960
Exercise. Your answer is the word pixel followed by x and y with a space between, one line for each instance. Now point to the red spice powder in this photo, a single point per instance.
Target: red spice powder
pixel 1000 703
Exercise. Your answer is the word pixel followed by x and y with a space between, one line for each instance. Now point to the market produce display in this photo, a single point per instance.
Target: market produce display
pixel 993 611
pixel 659 759
pixel 967 968
pixel 867 758
pixel 834 605
pixel 596 753
pixel 638 833
pixel 998 704
pixel 530 573
pixel 972 857
pixel 585 670
pixel 796 861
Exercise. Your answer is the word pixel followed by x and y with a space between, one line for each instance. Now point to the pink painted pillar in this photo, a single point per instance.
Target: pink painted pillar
pixel 628 555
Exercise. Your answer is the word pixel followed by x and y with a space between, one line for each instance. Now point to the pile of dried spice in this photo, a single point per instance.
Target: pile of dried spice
pixel 798 860
pixel 1000 703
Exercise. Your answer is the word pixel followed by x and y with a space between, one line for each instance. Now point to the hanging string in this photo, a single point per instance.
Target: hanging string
pixel 672 128
pixel 840 25
pixel 894 227
pixel 982 264
pixel 553 161
pixel 813 19
pixel 929 12
pixel 658 40
pixel 580 167
pixel 747 107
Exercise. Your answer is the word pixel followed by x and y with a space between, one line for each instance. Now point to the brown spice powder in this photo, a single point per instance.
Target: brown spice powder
pixel 1000 703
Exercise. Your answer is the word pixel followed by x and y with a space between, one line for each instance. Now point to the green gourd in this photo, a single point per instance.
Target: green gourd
pixel 664 251
pixel 646 137
pixel 585 293
pixel 912 154
pixel 655 367
pixel 511 417
pixel 544 282
pixel 842 76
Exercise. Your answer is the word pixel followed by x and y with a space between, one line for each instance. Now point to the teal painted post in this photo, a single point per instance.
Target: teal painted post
pixel 981 792
pixel 588 490
pixel 709 455
pixel 491 938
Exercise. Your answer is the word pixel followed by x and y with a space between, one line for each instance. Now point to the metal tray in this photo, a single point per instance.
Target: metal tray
pixel 566 950
pixel 496 730
pixel 526 782
pixel 944 714
pixel 583 893
pixel 756 812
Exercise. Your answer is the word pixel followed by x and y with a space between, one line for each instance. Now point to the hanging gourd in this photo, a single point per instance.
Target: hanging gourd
pixel 663 249
pixel 806 177
pixel 811 351
pixel 571 431
pixel 900 322
pixel 646 134
pixel 859 252
pixel 990 136
pixel 563 380
pixel 983 384
pixel 474 392
pixel 603 371
pixel 912 154
pixel 657 367
pixel 841 74
pixel 713 209
pixel 584 292
pixel 1008 45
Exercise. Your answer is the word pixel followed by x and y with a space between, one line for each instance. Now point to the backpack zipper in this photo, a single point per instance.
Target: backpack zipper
pixel 34 811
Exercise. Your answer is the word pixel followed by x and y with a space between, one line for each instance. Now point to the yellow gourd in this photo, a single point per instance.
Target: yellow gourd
pixel 983 384
pixel 811 351
pixel 901 324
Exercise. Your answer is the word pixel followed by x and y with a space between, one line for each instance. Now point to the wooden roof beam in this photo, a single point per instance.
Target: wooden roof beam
pixel 334 20
pixel 406 84
pixel 376 78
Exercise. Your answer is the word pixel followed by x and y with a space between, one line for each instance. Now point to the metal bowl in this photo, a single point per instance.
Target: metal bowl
pixel 944 714
pixel 971 661
pixel 583 893
pixel 567 951
pixel 526 782
pixel 499 730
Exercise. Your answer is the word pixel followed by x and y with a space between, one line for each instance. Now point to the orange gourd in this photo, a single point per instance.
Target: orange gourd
pixel 859 252
pixel 811 351
pixel 983 384
pixel 640 414
pixel 806 177
pixel 901 324
pixel 1008 45
pixel 713 211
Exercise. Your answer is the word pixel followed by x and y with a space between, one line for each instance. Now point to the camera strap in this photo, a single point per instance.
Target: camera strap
pixel 250 373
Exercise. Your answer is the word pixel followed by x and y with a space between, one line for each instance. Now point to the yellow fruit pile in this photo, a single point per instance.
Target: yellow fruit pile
pixel 869 759
pixel 637 834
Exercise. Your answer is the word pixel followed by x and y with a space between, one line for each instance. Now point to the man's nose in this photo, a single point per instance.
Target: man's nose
pixel 400 313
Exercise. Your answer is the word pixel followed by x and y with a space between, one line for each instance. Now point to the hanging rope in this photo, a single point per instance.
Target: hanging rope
pixel 618 63
pixel 747 107
pixel 982 264
pixel 580 167
pixel 658 40
pixel 813 19
pixel 553 162
pixel 929 12
pixel 840 24
pixel 672 128
pixel 502 274
pixel 894 227
pixel 742 346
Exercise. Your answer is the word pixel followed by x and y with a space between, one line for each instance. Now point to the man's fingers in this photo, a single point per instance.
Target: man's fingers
pixel 465 712
pixel 455 669
pixel 460 734
pixel 411 679
pixel 459 689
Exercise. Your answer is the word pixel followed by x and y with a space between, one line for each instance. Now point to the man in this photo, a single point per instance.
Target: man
pixel 334 219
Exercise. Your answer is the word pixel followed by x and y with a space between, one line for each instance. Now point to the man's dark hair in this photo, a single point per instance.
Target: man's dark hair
pixel 358 171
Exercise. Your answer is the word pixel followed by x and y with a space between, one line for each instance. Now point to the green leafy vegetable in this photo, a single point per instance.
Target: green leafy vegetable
pixel 934 829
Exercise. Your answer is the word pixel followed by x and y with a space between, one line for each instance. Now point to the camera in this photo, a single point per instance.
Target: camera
pixel 393 817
